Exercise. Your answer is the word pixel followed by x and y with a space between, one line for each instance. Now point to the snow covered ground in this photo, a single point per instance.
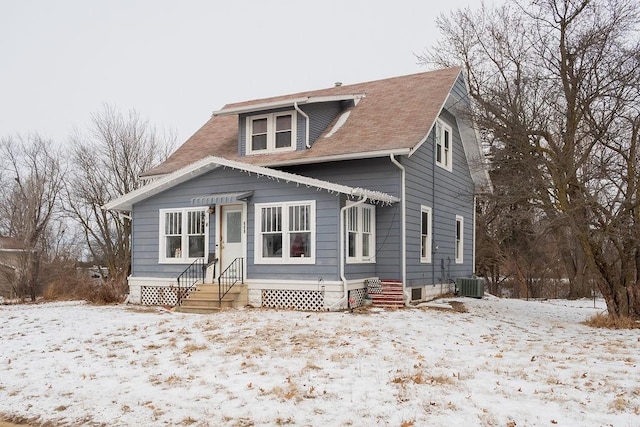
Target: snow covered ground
pixel 503 363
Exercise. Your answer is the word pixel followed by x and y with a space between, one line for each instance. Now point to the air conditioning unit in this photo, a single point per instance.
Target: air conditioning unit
pixel 470 286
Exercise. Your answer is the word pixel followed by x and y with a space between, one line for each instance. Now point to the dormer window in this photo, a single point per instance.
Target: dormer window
pixel 271 132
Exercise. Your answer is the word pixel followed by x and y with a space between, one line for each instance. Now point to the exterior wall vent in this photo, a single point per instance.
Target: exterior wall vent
pixel 416 294
pixel 470 287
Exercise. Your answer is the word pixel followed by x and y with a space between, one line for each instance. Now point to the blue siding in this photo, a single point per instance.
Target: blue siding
pixel 452 195
pixel 447 193
pixel 146 223
pixel 320 115
pixel 373 174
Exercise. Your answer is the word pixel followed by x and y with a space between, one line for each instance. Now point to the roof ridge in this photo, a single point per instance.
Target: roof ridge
pixel 340 89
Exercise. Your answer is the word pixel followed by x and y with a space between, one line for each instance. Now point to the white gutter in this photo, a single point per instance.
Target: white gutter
pixel 312 160
pixel 248 108
pixel 345 291
pixel 306 127
pixel 403 219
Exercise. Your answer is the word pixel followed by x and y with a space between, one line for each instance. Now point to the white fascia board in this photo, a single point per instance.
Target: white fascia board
pixel 126 202
pixel 340 157
pixel 284 103
pixel 304 180
pixel 470 143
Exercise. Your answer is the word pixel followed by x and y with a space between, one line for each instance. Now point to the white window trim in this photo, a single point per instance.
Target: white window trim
pixel 271 132
pixel 285 259
pixel 162 259
pixel 429 211
pixel 359 259
pixel 446 161
pixel 459 255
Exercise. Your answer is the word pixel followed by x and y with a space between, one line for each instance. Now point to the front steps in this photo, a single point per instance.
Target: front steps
pixel 391 295
pixel 204 299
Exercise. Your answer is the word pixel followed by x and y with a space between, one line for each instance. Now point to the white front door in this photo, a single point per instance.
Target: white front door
pixel 231 235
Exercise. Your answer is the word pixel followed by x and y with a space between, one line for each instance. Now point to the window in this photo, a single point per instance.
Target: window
pixel 444 147
pixel 285 233
pixel 459 239
pixel 271 132
pixel 183 235
pixel 425 234
pixel 360 224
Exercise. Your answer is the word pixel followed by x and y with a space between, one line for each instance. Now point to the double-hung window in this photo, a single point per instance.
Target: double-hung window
pixel 426 221
pixel 183 235
pixel 360 234
pixel 285 233
pixel 444 146
pixel 459 239
pixel 271 132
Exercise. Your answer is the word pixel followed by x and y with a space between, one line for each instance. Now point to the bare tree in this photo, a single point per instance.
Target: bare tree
pixel 556 81
pixel 32 180
pixel 107 162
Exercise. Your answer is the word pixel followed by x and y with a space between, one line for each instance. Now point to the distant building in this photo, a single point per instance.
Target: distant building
pixel 11 251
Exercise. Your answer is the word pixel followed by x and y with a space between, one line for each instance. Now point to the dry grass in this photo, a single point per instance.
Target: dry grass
pixel 74 288
pixel 458 307
pixel 418 376
pixel 609 322
pixel 190 348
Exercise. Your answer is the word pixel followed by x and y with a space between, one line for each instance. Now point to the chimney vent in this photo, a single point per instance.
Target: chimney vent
pixel 338 84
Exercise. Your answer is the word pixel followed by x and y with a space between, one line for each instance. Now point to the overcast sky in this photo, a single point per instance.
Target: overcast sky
pixel 177 61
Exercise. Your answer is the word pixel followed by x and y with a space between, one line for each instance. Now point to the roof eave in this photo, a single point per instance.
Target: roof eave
pixel 284 103
pixel 125 203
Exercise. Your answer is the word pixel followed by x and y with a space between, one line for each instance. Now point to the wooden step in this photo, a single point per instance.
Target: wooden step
pixel 391 296
pixel 205 299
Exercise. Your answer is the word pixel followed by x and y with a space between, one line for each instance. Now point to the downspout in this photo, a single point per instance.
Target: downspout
pixel 306 128
pixel 473 247
pixel 345 291
pixel 403 215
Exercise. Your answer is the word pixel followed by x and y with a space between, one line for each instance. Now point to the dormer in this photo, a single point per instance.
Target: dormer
pixel 286 125
pixel 270 132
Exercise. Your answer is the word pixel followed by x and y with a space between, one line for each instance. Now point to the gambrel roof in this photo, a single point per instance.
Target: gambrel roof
pixel 391 116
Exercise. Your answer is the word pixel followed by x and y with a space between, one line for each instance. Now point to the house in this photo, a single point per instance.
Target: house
pixel 307 199
pixel 11 258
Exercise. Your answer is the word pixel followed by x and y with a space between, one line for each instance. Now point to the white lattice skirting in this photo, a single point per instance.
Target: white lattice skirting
pixel 291 299
pixel 356 297
pixel 158 295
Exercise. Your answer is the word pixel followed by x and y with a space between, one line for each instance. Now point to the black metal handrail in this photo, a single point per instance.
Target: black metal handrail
pixel 188 279
pixel 233 274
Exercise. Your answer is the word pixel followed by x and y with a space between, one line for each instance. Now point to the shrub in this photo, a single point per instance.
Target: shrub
pixel 605 321
pixel 75 288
